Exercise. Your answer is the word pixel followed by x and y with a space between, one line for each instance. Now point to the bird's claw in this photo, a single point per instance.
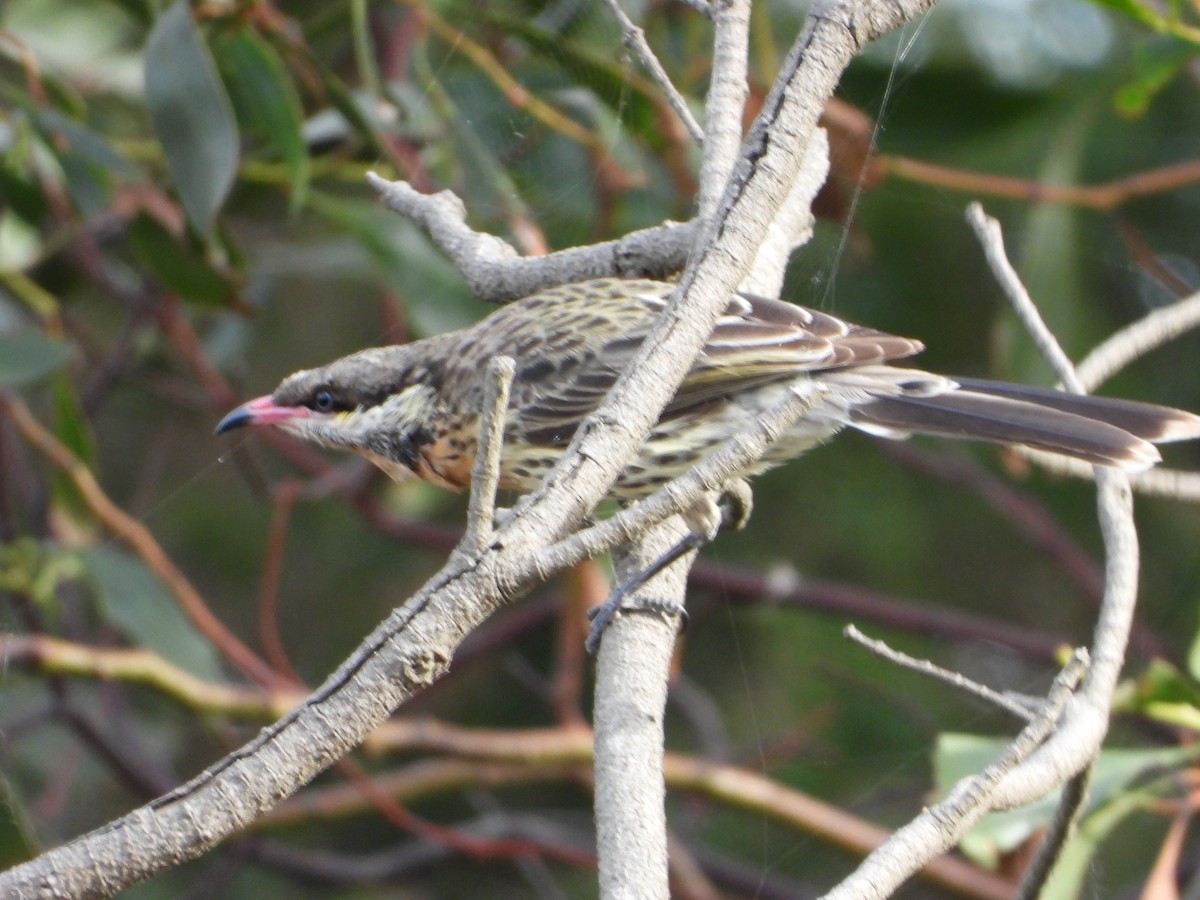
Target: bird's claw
pixel 604 614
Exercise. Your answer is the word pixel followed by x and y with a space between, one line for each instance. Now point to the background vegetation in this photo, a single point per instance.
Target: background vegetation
pixel 185 221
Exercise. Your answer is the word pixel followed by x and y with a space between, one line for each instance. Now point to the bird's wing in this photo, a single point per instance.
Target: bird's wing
pixel 755 341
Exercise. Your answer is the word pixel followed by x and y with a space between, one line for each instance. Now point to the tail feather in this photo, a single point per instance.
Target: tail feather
pixel 988 413
pixel 1149 421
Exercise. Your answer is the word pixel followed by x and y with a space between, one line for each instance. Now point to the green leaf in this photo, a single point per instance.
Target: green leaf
pixel 1193 657
pixel 1164 694
pixel 21 195
pixel 89 163
pixel 266 102
pixel 18 836
pixel 83 142
pixel 180 270
pixel 1134 9
pixel 29 356
pixel 1156 64
pixel 192 115
pixel 1077 859
pixel 73 430
pixel 133 599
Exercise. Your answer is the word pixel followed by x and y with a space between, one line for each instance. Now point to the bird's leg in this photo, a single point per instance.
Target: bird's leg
pixel 602 615
pixel 703 520
pixel 737 503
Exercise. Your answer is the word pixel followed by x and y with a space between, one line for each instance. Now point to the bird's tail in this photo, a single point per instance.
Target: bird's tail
pixel 1098 430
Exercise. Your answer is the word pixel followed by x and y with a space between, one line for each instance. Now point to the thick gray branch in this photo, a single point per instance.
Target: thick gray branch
pixel 632 671
pixel 494 271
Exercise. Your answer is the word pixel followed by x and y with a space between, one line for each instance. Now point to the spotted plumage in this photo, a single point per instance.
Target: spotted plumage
pixel 414 409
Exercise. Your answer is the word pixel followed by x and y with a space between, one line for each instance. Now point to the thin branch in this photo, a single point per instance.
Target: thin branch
pixel 784 586
pixel 142 542
pixel 514 92
pixel 537 835
pixel 485 475
pixel 1076 746
pixel 1101 197
pixel 268 591
pixel 634 40
pixel 1066 817
pixel 1136 340
pixel 987 230
pixel 939 827
pixel 1003 700
pixel 1049 752
pixel 1174 484
pixel 58 657
pixel 683 492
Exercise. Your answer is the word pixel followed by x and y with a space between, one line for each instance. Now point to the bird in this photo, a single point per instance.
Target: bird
pixel 414 409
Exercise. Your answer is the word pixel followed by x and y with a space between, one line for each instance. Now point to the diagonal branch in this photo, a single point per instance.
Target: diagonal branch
pixel 138 537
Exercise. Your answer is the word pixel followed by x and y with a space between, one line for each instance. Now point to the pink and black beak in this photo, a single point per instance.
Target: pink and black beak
pixel 263 411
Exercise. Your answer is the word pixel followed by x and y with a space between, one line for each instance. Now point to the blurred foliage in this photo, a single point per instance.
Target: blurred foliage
pixel 185 221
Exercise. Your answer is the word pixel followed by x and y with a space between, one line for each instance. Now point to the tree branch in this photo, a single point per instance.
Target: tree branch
pixel 485 476
pixel 495 273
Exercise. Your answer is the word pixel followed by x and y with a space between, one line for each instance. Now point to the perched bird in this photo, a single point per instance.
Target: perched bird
pixel 414 409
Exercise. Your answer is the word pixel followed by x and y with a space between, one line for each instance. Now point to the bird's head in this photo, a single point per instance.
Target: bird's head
pixel 379 403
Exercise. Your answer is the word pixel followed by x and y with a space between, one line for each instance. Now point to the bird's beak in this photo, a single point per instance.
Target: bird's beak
pixel 263 411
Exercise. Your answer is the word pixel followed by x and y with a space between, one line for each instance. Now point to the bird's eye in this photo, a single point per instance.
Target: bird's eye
pixel 323 401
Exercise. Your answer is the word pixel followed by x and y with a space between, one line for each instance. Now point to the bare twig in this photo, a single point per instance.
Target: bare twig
pixel 500 75
pixel 683 492
pixel 142 542
pixel 1127 344
pixel 991 238
pixel 955 679
pixel 485 476
pixel 1173 484
pixel 268 590
pixel 1066 816
pixel 1078 744
pixel 144 667
pixel 1102 197
pixel 634 39
pixel 938 827
pixel 1135 341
